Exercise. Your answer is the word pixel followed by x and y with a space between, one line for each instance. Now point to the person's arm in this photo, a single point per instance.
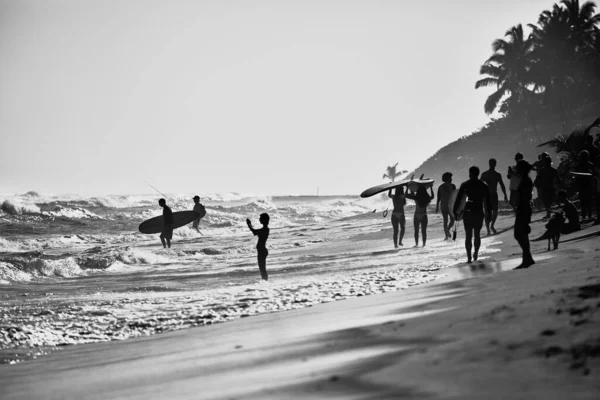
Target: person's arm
pixel 432 195
pixel 439 200
pixel 390 193
pixel 509 175
pixel 254 231
pixel 502 186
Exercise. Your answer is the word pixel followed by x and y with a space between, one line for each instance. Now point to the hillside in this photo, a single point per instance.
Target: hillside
pixel 500 139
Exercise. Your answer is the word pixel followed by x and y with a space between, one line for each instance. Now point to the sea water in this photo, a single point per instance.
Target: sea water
pixel 75 269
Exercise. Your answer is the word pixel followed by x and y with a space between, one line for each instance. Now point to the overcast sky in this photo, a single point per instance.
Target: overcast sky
pixel 263 97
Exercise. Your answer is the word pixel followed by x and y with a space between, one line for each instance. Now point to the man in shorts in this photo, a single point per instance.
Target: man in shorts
pixel 167 231
pixel 492 178
pixel 477 193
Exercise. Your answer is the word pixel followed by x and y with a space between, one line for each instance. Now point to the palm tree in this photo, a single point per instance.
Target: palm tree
pixel 564 53
pixel 508 69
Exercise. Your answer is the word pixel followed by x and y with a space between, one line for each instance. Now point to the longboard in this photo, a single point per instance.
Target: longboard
pixel 155 225
pixel 461 204
pixel 391 185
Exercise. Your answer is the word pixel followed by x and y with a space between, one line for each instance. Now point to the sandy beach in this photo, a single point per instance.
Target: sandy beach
pixel 482 330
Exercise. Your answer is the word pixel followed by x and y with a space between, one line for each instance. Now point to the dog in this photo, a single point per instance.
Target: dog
pixel 554 227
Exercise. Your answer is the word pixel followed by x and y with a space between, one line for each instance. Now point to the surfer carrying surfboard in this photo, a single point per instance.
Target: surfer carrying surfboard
pixel 422 200
pixel 477 193
pixel 443 197
pixel 399 200
pixel 167 230
pixel 261 246
pixel 199 208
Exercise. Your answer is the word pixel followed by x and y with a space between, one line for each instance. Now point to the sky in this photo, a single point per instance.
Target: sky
pixel 264 97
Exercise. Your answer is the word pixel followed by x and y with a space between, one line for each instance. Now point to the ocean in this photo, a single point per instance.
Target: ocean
pixel 75 269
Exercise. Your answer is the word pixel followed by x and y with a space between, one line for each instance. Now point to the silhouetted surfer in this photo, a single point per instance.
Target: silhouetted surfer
pixel 422 200
pixel 443 196
pixel 514 180
pixel 523 213
pixel 493 178
pixel 199 208
pixel 167 231
pixel 399 200
pixel 477 193
pixel 261 246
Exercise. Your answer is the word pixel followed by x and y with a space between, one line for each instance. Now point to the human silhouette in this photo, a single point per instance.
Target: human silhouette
pixel 478 194
pixel 545 182
pixel 422 200
pixel 514 179
pixel 167 231
pixel 571 214
pixel 261 245
pixel 492 178
pixel 399 200
pixel 443 198
pixel 199 208
pixel 523 213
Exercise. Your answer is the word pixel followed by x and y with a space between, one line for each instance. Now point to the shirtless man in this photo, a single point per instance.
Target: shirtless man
pixel 398 218
pixel 514 180
pixel 493 178
pixel 443 197
pixel 477 193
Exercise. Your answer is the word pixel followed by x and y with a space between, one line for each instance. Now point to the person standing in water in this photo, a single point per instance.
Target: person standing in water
pixel 477 193
pixel 261 245
pixel 523 213
pixel 399 200
pixel 199 208
pixel 514 180
pixel 492 178
pixel 443 196
pixel 167 231
pixel 422 200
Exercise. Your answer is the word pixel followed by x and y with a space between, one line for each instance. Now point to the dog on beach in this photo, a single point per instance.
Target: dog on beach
pixel 553 228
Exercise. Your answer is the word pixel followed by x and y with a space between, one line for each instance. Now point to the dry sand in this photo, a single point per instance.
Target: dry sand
pixel 505 334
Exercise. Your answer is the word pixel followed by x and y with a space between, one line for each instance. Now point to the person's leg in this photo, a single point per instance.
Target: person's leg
pixel 445 218
pixel 424 229
pixel 488 221
pixel 162 240
pixel 450 224
pixel 395 229
pixel 477 225
pixel 416 224
pixel 262 264
pixel 521 234
pixel 402 220
pixel 467 223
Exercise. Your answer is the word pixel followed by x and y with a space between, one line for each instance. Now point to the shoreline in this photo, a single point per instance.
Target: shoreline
pixel 499 333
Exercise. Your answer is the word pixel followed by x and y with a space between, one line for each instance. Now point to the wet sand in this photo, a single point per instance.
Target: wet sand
pixel 505 334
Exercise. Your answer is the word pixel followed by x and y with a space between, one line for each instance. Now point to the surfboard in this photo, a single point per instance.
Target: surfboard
pixel 461 204
pixel 155 225
pixel 391 185
pixel 581 173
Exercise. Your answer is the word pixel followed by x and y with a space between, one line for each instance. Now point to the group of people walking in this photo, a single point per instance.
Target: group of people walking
pixel 481 202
